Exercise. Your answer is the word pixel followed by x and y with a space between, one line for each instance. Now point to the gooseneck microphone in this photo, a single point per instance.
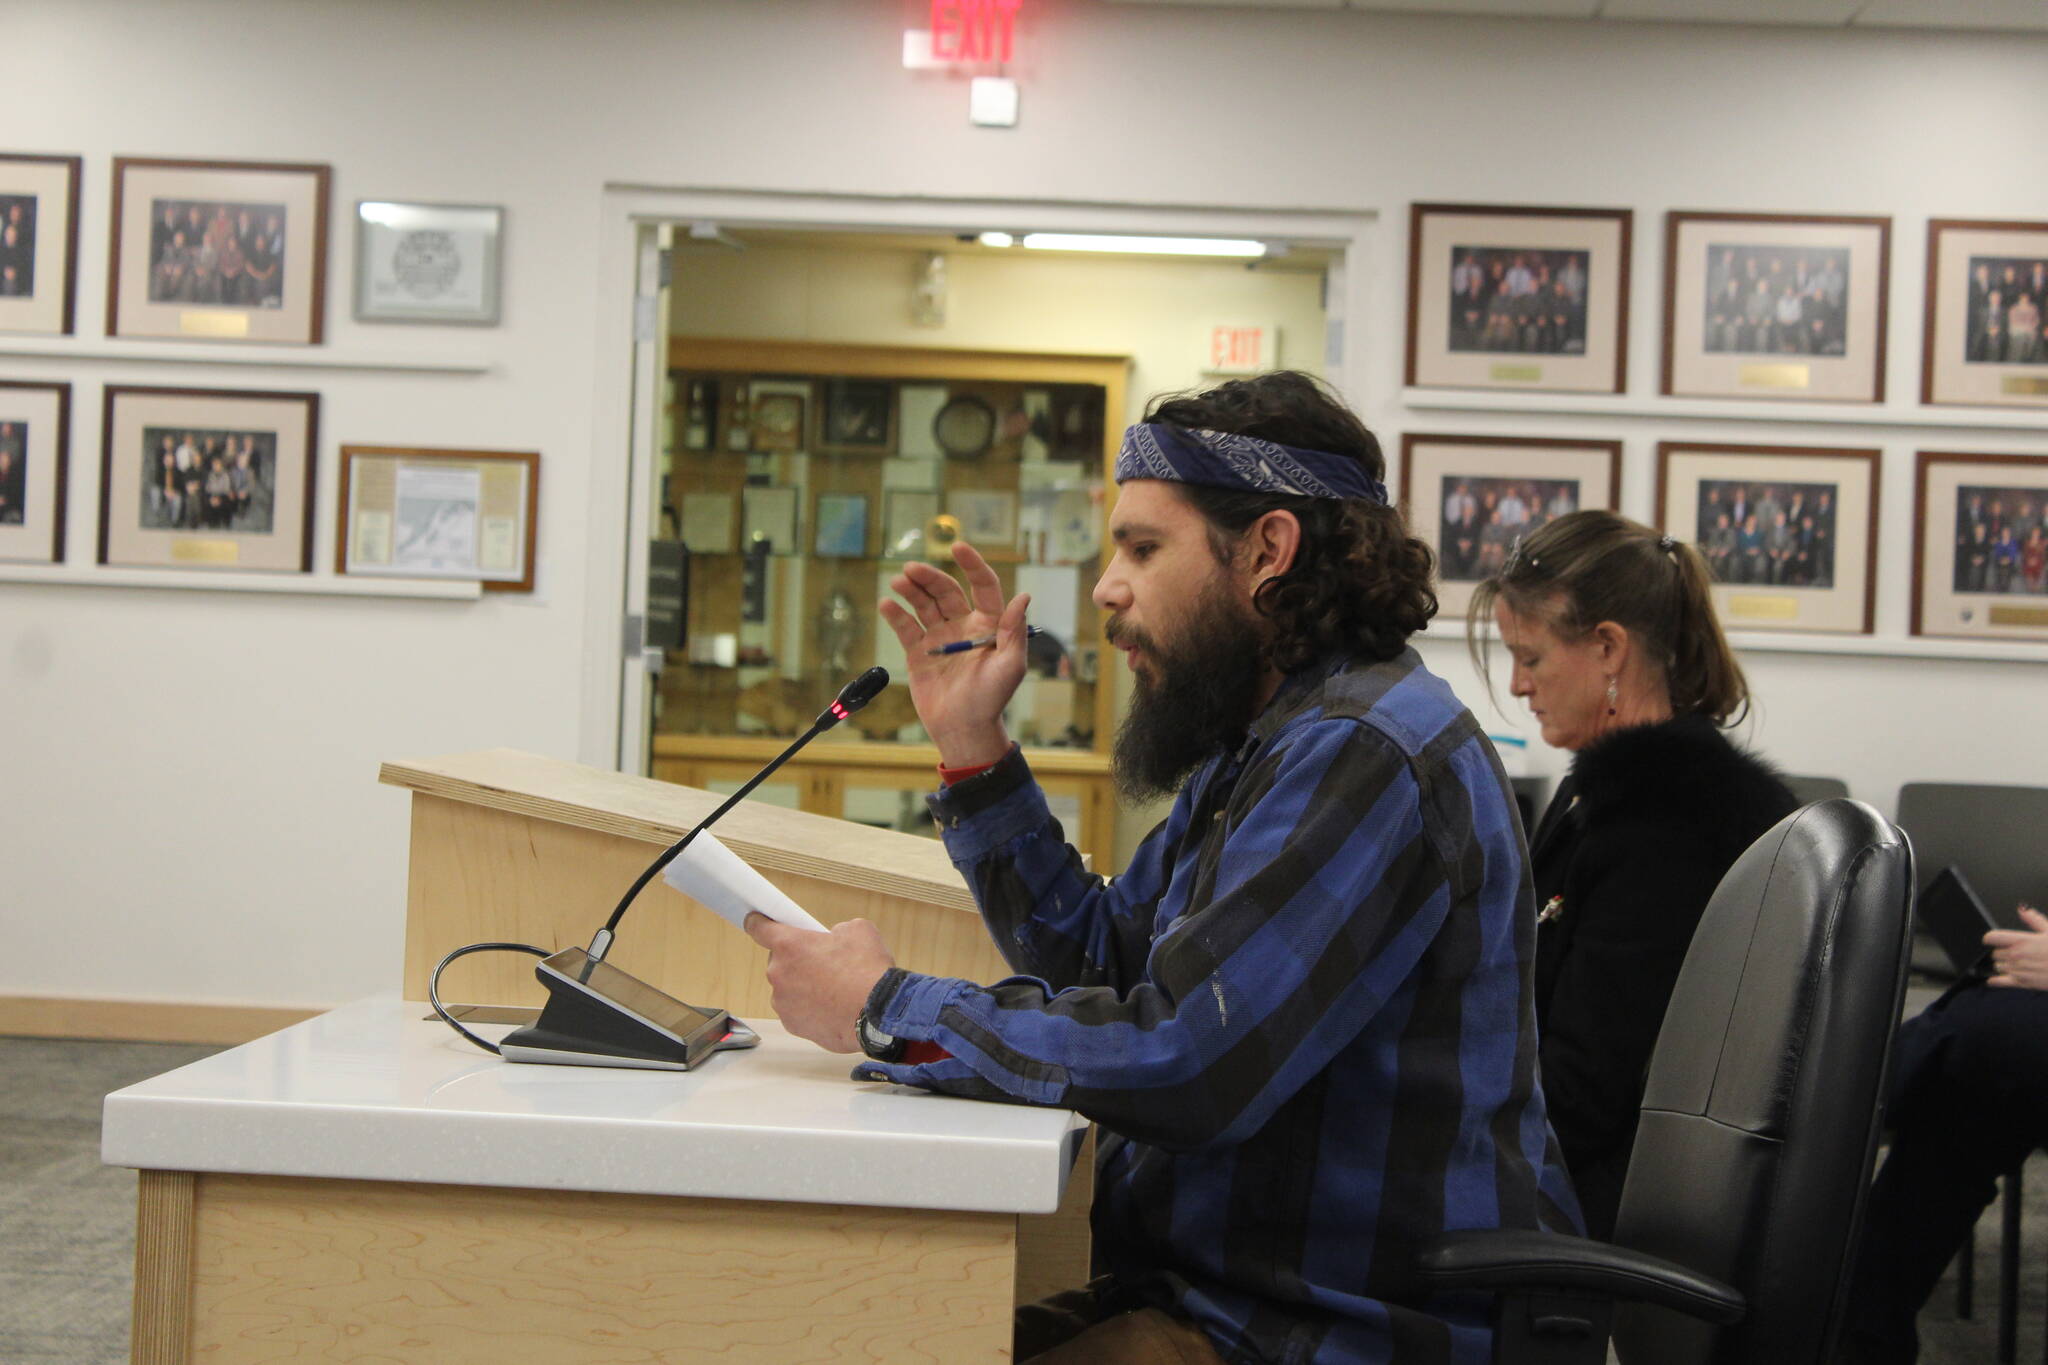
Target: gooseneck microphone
pixel 597 1015
pixel 851 698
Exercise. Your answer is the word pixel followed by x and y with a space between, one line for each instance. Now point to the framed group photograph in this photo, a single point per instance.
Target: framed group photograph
pixel 1775 306
pixel 218 250
pixel 208 478
pixel 35 449
pixel 1987 314
pixel 1789 532
pixel 856 417
pixel 428 262
pixel 1470 497
pixel 422 512
pixel 1980 546
pixel 38 242
pixel 1518 298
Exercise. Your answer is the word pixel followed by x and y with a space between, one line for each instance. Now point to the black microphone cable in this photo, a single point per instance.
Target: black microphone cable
pixel 851 698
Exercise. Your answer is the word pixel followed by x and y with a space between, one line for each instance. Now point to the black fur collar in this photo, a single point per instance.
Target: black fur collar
pixel 1682 767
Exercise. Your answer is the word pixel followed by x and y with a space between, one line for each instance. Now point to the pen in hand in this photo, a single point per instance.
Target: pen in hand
pixel 979 642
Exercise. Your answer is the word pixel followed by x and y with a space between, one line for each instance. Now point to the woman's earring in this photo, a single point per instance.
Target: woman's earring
pixel 1610 696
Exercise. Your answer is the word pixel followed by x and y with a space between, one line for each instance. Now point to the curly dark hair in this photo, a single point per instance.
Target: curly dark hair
pixel 1359 582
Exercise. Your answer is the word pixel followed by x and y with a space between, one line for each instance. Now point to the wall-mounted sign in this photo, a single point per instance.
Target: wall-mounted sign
pixel 1240 348
pixel 969 32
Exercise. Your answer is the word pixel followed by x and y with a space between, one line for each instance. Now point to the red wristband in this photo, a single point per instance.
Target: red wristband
pixel 921 1051
pixel 948 776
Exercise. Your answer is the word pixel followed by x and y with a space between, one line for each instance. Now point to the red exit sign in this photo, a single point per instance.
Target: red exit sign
pixel 1237 348
pixel 974 30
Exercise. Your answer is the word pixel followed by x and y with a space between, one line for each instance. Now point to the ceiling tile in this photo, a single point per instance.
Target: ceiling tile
pixel 1955 14
pixel 1824 13
pixel 1521 9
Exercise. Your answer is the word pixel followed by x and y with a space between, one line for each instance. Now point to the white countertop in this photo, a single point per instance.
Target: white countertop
pixel 379 1090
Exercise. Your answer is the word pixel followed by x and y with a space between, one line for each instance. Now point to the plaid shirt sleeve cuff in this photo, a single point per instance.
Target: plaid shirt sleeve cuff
pixel 981 814
pixel 907 1004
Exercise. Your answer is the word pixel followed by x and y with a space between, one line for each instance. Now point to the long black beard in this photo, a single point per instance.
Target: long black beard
pixel 1198 700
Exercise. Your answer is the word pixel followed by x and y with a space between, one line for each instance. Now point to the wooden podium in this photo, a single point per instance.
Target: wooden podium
pixel 512 846
pixel 364 1186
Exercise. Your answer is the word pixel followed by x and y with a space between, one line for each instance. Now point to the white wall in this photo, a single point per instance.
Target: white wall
pixel 188 808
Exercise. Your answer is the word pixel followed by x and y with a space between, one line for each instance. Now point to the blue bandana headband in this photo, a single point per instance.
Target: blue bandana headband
pixel 1222 459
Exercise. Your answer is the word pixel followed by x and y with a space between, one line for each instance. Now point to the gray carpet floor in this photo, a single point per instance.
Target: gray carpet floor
pixel 67 1223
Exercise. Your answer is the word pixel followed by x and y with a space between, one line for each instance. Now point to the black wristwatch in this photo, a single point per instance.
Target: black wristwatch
pixel 883 1047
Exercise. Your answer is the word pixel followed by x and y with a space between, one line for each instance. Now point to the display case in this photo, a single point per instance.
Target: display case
pixel 798 479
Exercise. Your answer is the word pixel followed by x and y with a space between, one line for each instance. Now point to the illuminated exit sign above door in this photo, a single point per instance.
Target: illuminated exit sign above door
pixel 974 32
pixel 1240 348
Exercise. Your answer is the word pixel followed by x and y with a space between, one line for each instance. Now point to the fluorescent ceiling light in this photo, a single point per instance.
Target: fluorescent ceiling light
pixel 996 239
pixel 1152 246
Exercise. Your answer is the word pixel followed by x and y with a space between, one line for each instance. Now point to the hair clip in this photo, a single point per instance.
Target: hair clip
pixel 1666 543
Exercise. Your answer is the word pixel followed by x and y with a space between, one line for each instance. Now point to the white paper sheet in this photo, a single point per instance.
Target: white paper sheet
pixel 712 875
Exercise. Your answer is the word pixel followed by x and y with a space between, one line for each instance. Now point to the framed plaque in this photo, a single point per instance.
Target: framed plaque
pixel 420 512
pixel 428 262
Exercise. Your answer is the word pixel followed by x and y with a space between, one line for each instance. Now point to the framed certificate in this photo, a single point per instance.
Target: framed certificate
pixel 411 512
pixel 428 262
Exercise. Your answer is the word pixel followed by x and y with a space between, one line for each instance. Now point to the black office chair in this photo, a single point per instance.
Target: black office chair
pixel 1736 1233
pixel 1808 789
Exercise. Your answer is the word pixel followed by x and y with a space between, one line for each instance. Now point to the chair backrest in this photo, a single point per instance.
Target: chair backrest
pixel 1811 789
pixel 1760 1118
pixel 1998 836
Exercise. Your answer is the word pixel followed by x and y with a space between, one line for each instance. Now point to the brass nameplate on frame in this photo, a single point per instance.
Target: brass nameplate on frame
pixel 206 552
pixel 1776 376
pixel 1752 607
pixel 2031 385
pixel 201 322
pixel 2018 616
pixel 1518 374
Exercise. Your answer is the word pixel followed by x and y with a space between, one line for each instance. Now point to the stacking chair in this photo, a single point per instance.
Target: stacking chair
pixel 1811 789
pixel 1736 1234
pixel 1997 835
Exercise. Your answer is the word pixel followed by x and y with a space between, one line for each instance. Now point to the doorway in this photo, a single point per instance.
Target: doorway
pixel 825 393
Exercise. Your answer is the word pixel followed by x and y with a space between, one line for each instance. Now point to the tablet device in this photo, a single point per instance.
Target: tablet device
pixel 1952 911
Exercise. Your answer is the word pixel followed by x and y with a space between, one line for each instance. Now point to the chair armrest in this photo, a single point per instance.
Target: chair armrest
pixel 1512 1259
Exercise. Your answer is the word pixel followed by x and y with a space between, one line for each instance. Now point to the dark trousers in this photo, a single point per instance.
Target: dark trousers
pixel 1969 1101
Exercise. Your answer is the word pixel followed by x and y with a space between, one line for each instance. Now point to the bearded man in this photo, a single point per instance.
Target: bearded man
pixel 1302 1016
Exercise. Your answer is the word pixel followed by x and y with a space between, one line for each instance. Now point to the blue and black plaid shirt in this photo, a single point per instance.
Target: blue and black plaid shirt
pixel 1302 1018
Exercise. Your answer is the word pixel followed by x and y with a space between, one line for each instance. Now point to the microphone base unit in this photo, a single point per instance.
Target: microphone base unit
pixel 597 1015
